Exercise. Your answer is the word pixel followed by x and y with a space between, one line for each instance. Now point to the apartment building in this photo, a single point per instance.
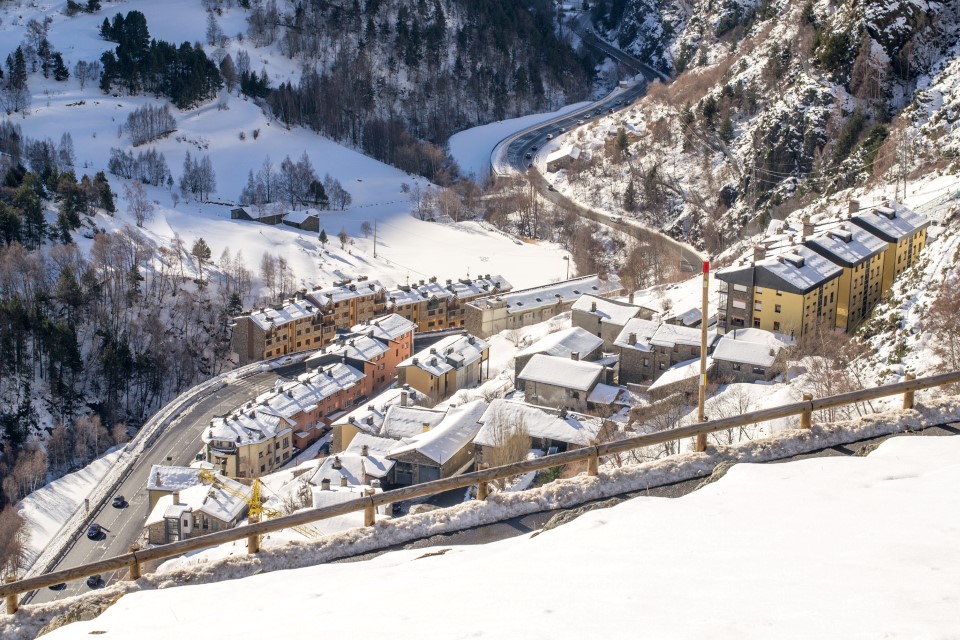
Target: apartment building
pixel 904 231
pixel 493 314
pixel 351 302
pixel 787 293
pixel 456 362
pixel 433 306
pixel 297 325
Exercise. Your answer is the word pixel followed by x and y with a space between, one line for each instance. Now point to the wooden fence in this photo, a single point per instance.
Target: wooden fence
pixel 368 504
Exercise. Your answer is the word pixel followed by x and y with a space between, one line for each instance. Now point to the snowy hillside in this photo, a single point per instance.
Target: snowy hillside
pixel 788 569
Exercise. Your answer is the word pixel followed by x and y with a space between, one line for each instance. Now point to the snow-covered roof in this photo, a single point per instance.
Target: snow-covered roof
pixel 687 317
pixel 847 244
pixel 539 422
pixel 388 327
pixel 566 151
pixel 680 372
pixel 369 417
pixel 668 335
pixel 611 311
pixel 462 289
pixel 289 398
pixel 298 217
pixel 353 465
pixel 799 270
pixel 359 347
pixel 892 222
pixel 289 312
pixel 337 494
pixel 405 422
pixel 561 372
pixel 755 347
pixel 224 500
pixel 526 299
pixel 643 330
pixel 457 429
pixel 564 342
pixel 453 352
pixel 605 393
pixel 170 478
pixel 247 427
pixel 346 292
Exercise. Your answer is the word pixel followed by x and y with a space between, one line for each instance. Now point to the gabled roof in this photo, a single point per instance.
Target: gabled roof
pixel 668 335
pixel 353 465
pixel 539 422
pixel 846 244
pixel 799 271
pixel 290 311
pixel 891 223
pixel 457 429
pixel 679 372
pixel 561 372
pixel 370 415
pixel 346 292
pixel 358 348
pixel 247 426
pixel 289 398
pixel 754 347
pixel 644 330
pixel 563 343
pixel 406 422
pixel 388 327
pixel 526 299
pixel 453 352
pixel 605 394
pixel 170 478
pixel 609 311
pixel 568 151
pixel 298 217
pixel 226 499
pixel 461 289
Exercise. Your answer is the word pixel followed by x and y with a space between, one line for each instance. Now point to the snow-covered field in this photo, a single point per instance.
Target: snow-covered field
pixel 824 547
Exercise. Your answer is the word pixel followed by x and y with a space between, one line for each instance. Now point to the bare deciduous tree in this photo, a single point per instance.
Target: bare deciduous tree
pixel 510 442
pixel 137 203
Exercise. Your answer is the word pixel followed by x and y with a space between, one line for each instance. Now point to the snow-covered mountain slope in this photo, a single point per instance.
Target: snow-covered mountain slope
pixel 804 565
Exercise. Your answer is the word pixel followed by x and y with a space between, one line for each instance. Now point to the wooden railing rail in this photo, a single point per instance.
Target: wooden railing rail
pixel 134 559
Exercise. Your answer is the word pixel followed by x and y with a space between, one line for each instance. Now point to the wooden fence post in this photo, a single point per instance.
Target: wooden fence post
pixel 369 512
pixel 908 395
pixel 593 462
pixel 806 414
pixel 13 600
pixel 135 565
pixel 483 487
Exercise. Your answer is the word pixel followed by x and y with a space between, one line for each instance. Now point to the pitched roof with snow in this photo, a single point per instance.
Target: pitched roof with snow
pixel 453 352
pixel 679 372
pixel 457 429
pixel 355 466
pixel 754 347
pixel 405 422
pixel 291 311
pixel 547 295
pixel 346 292
pixel 464 288
pixel 643 331
pixel 605 394
pixel 846 244
pixel 358 348
pixel 388 327
pixel 561 372
pixel 298 217
pixel 170 478
pixel 226 499
pixel 609 311
pixel 668 335
pixel 891 223
pixel 288 398
pixel 567 151
pixel 800 270
pixel 563 343
pixel 246 427
pixel 539 422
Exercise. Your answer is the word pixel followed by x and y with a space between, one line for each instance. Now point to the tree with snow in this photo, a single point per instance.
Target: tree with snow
pixel 198 177
pixel 138 205
pixel 323 238
pixel 15 92
pixel 201 252
pixel 343 237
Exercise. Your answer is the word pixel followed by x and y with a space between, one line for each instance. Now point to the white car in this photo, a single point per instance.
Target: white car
pixel 549 136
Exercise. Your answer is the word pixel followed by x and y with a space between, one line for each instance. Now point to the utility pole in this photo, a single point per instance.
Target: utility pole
pixel 701 444
pixel 374 237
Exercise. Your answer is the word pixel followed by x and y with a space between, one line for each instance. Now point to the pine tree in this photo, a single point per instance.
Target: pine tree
pixel 323 238
pixel 630 197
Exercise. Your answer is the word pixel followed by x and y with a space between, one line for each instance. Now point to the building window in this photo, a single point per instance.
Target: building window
pixel 756 322
pixel 779 293
pixel 776 308
pixel 759 371
pixel 646 362
pixel 757 306
pixel 759 290
pixel 776 326
pixel 663 366
pixel 286 442
pixel 262 468
pixel 739 304
pixel 736 366
pixel 261 455
pixel 739 287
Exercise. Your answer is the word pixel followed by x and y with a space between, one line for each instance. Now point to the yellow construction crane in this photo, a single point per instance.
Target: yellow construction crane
pixel 256 510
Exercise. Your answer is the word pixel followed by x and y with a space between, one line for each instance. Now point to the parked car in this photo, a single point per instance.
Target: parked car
pixel 60 586
pixel 549 136
pixel 119 502
pixel 94 531
pixel 95 581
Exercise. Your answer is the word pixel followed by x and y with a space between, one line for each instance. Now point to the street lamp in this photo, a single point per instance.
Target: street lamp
pixel 567 260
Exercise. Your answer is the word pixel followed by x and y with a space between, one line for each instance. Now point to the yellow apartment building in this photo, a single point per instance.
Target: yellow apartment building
pixel 904 231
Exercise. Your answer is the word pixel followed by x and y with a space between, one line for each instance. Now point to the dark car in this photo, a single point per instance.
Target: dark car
pixel 119 502
pixel 529 155
pixel 58 587
pixel 95 581
pixel 94 531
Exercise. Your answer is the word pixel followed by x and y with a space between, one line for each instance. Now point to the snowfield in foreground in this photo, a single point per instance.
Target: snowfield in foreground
pixel 824 547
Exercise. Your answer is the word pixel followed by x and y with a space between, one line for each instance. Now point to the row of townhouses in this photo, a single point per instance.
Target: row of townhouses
pixel 834 271
pixel 311 320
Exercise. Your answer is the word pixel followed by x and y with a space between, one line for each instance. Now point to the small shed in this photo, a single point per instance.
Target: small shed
pixel 306 220
pixel 266 216
pixel 562 157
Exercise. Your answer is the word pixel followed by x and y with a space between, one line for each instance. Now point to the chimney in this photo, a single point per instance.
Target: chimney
pixel 426 427
pixel 807 228
pixel 854 206
pixel 364 450
pixel 632 339
pixel 159 480
pixel 176 497
pixel 593 306
pixel 325 484
pixel 375 483
pixel 336 463
pixel 404 396
pixel 630 299
pixel 575 355
pixel 759 252
pixel 343 481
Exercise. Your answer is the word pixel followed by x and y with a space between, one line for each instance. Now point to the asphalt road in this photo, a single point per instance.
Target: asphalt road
pixel 177 446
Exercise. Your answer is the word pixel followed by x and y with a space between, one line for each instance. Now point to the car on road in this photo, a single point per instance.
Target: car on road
pixel 533 148
pixel 563 130
pixel 60 586
pixel 549 136
pixel 618 102
pixel 95 581
pixel 119 502
pixel 616 218
pixel 579 121
pixel 550 188
pixel 94 531
pixel 529 155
